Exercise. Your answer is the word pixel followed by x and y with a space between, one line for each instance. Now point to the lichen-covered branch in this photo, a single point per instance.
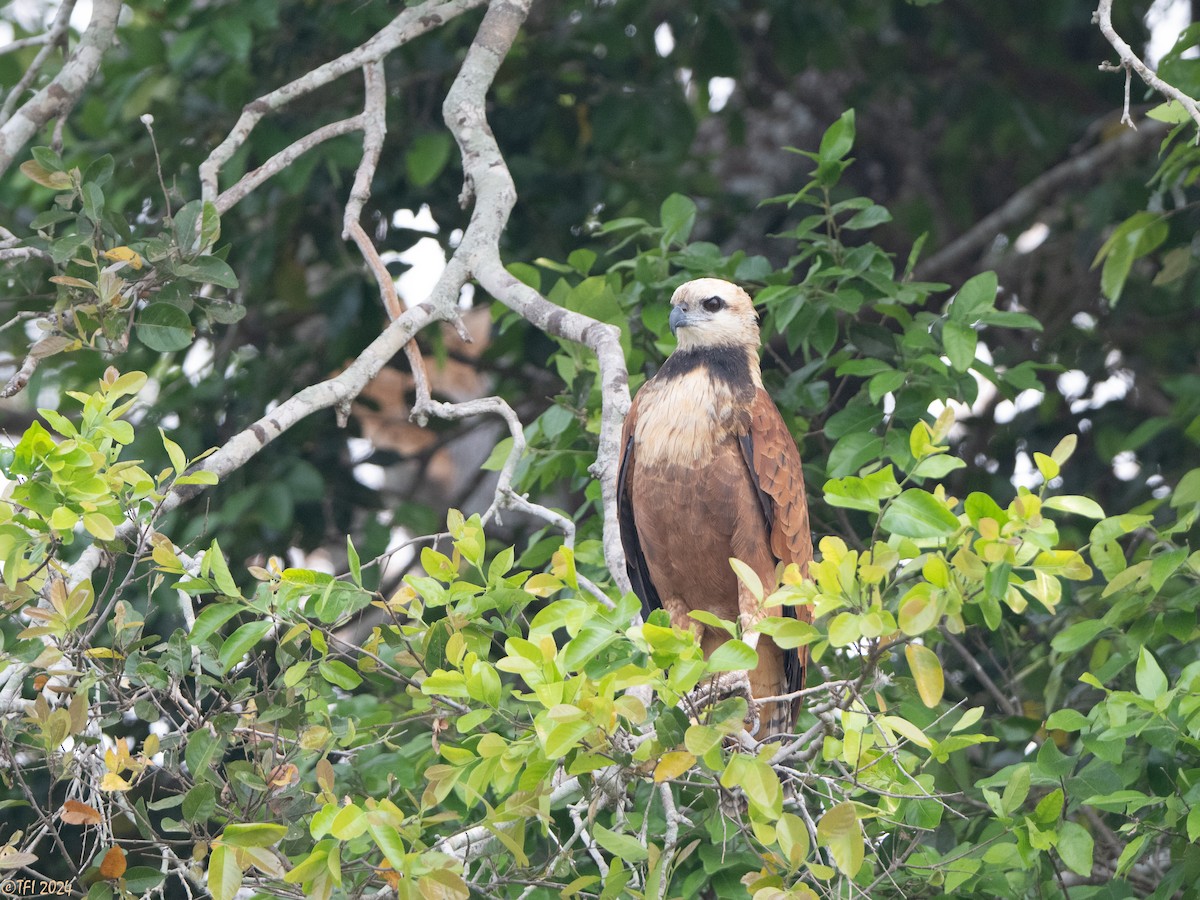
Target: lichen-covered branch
pixel 410 23
pixel 58 97
pixel 489 181
pixel 1130 60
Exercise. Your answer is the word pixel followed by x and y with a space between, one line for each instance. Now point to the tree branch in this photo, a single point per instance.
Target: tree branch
pixel 63 92
pixel 1028 200
pixel 49 40
pixel 410 23
pixel 490 182
pixel 1130 60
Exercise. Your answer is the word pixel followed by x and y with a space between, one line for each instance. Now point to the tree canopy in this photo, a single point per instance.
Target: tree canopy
pixel 319 326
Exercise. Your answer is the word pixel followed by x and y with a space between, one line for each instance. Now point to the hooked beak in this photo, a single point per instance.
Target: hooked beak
pixel 678 319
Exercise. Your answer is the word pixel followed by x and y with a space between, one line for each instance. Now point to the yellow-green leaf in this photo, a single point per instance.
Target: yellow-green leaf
pixel 927 672
pixel 748 577
pixel 839 832
pixel 224 876
pixel 673 764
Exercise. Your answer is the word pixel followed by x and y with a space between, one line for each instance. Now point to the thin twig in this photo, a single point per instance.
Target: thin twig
pixel 1130 60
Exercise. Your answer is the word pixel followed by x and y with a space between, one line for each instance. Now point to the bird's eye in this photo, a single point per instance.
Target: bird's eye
pixel 713 304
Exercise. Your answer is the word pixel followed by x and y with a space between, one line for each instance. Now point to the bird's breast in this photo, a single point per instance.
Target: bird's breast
pixel 683 419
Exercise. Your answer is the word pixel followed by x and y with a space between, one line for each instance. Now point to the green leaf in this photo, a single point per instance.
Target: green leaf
pixel 1193 823
pixel 838 138
pixel 209 270
pixel 757 779
pixel 792 836
pixel 1078 635
pixel 918 514
pixel 224 876
pixel 220 571
pixel 211 618
pixel 426 157
pixel 853 452
pixel 927 672
pixel 1151 682
pixel 1076 847
pixel 1066 720
pixel 705 617
pixel 241 641
pixel 349 823
pixel 975 297
pixel 337 672
pixel 748 577
pixel 960 341
pixel 1173 113
pixel 164 327
pixel 678 215
pixel 253 834
pixel 355 565
pixel 621 846
pixel 99 526
pixel 868 218
pixel 1017 789
pixel 1080 506
pixel 839 832
pixel 35 171
pixel 733 656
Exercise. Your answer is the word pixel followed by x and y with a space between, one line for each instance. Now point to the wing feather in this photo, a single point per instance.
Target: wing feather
pixel 635 559
pixel 770 452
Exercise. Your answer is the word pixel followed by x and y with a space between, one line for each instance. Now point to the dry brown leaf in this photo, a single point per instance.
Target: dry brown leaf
pixel 76 813
pixel 113 864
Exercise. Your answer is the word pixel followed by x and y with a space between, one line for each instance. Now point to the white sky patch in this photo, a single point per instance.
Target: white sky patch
pixel 986 391
pixel 392 566
pixel 421 220
pixel 1032 237
pixel 719 92
pixel 1025 473
pixel 1072 383
pixel 1084 321
pixel 427 260
pixel 370 476
pixel 359 448
pixel 197 362
pixel 664 40
pixel 1166 19
pixel 1114 387
pixel 1007 410
pixel 319 560
pixel 1125 465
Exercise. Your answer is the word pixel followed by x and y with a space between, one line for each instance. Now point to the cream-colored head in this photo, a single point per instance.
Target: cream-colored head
pixel 710 312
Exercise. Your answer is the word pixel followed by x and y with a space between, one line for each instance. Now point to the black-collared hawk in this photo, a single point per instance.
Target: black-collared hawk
pixel 709 471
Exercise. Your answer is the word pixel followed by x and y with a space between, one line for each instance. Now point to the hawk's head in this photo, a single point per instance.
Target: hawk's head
pixel 709 312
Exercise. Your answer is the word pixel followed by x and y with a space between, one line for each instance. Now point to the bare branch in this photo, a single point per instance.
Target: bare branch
pixel 284 158
pixel 1130 60
pixel 1028 200
pixel 17 383
pixel 410 23
pixel 489 180
pixel 374 128
pixel 49 40
pixel 63 92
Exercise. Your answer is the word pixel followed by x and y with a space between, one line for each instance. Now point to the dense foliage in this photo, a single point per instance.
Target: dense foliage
pixel 1006 698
